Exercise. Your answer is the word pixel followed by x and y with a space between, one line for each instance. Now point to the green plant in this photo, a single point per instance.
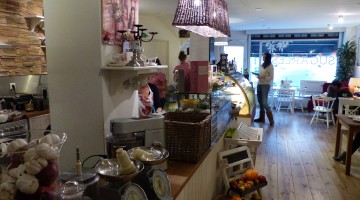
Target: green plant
pixel 346 58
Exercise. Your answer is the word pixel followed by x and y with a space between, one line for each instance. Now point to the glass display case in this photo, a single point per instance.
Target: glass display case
pixel 240 92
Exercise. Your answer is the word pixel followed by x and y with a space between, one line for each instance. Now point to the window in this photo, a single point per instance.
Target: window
pixel 297 58
pixel 236 54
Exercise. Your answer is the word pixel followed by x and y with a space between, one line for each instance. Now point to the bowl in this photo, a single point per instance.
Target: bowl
pixel 109 170
pixel 160 154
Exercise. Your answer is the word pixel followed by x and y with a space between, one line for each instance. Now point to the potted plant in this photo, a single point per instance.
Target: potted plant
pixel 346 58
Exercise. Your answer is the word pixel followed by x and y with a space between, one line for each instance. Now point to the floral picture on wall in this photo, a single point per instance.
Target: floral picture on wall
pixel 118 15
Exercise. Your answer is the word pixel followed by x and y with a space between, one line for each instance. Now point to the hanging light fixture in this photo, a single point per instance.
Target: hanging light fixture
pixel 208 18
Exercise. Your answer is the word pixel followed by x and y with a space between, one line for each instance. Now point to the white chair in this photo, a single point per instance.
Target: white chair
pixel 285 96
pixel 349 106
pixel 323 106
pixel 273 96
pixel 299 98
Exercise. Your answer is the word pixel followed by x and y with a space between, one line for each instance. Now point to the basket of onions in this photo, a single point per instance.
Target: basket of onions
pixel 30 168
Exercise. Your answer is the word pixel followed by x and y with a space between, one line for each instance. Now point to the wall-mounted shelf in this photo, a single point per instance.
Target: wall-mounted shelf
pixel 34 21
pixel 148 69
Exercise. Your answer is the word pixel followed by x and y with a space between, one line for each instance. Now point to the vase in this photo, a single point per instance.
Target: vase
pixel 30 166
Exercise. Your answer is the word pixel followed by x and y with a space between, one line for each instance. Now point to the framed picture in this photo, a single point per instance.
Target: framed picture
pixel 118 15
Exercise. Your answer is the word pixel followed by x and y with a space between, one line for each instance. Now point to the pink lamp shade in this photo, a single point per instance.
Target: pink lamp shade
pixel 209 18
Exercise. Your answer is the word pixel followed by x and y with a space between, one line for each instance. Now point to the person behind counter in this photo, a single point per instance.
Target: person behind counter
pixel 160 81
pixel 265 77
pixel 149 100
pixel 184 66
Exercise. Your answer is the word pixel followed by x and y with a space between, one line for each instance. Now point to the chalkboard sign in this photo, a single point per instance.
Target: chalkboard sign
pixel 235 157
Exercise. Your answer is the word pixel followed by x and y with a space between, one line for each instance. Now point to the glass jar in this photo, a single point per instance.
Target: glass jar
pixel 72 190
pixel 30 166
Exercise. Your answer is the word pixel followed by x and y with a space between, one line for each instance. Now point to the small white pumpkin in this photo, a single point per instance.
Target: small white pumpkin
pixel 5 177
pixel 18 171
pixel 30 154
pixel 51 139
pixel 33 143
pixel 3 148
pixel 35 166
pixel 27 184
pixel 16 145
pixel 7 191
pixel 48 152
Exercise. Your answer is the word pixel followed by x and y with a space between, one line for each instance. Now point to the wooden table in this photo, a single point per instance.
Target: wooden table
pixel 352 126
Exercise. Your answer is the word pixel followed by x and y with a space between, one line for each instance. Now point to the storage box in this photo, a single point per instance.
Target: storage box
pixel 188 135
pixel 199 76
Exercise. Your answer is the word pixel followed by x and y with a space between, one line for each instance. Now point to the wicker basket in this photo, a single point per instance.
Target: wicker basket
pixel 188 135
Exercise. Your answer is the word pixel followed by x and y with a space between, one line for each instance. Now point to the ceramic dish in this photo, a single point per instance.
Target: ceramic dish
pixel 160 154
pixel 109 169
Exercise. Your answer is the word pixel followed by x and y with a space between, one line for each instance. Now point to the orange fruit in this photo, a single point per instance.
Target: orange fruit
pixel 235 198
pixel 251 174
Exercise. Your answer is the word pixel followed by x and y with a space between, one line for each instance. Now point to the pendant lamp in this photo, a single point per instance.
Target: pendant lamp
pixel 208 18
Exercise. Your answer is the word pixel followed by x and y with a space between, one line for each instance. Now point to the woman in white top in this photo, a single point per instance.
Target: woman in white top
pixel 265 77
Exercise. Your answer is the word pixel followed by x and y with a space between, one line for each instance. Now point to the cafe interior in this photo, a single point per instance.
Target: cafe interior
pixel 75 69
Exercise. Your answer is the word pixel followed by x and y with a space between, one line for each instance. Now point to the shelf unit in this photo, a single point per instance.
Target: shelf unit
pixel 138 70
pixel 34 21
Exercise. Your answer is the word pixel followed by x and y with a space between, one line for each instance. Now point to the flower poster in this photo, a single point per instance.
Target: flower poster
pixel 118 15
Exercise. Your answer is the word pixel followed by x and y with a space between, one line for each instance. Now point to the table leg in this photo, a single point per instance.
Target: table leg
pixel 338 137
pixel 349 151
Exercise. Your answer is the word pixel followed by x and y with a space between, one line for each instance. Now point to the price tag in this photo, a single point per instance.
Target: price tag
pixel 223 163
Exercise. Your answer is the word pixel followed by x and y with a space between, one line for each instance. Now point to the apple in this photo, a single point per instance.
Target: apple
pixel 48 175
pixel 250 182
pixel 22 196
pixel 256 181
pixel 247 185
pixel 262 178
pixel 233 184
pixel 243 178
pixel 255 196
pixel 242 188
pixel 48 195
pixel 241 182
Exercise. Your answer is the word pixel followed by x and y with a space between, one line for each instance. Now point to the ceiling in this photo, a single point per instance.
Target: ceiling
pixel 274 14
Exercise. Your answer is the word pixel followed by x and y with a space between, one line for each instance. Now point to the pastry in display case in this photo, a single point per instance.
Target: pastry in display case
pixel 240 92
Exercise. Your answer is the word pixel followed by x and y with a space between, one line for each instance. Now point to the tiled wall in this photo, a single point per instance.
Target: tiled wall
pixel 25 56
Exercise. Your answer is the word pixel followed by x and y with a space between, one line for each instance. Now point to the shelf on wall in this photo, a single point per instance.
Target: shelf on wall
pixel 34 21
pixel 147 69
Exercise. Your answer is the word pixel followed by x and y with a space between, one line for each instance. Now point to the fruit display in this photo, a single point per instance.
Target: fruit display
pixel 247 183
pixel 30 170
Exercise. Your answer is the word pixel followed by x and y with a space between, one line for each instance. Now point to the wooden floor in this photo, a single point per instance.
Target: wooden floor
pixel 297 160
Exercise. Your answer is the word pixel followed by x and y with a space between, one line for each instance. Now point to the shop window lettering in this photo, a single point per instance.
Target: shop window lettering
pixel 305 60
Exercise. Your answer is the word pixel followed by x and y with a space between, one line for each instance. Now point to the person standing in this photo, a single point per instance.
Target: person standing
pixel 183 66
pixel 265 77
pixel 159 79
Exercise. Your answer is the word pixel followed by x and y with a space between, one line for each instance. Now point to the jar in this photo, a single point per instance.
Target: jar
pixel 31 169
pixel 72 190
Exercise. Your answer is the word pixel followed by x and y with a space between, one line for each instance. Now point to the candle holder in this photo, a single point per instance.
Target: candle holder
pixel 135 46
